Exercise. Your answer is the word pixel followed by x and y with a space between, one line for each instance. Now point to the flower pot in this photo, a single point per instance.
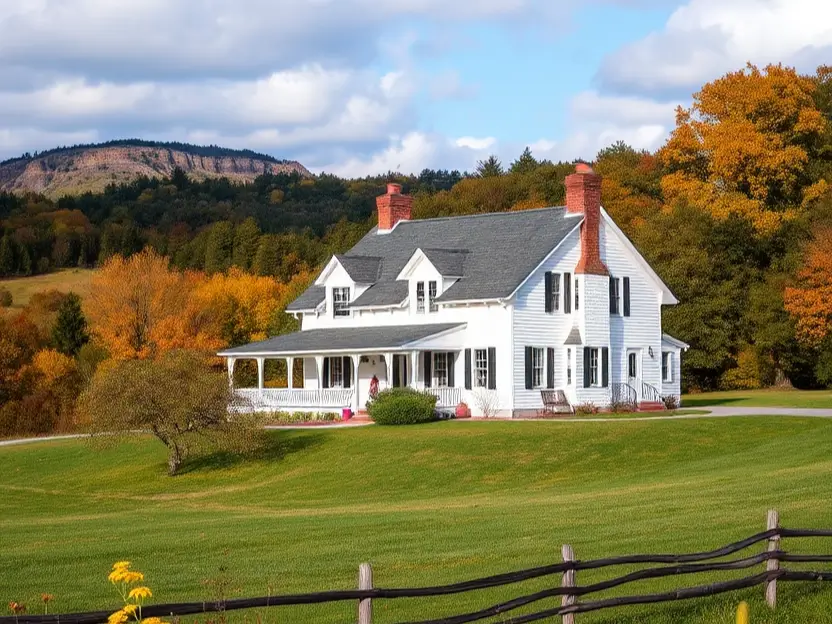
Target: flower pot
pixel 462 411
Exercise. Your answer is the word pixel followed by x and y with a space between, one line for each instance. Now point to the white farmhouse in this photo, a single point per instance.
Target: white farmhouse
pixel 495 310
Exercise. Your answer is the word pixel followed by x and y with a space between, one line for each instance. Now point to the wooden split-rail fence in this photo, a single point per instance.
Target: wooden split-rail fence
pixel 569 590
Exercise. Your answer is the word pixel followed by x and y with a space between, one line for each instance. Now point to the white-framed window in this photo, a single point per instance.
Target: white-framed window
pixel 442 362
pixel 615 295
pixel 420 297
pixel 594 367
pixel 480 368
pixel 632 365
pixel 538 366
pixel 555 292
pixel 336 372
pixel 341 301
pixel 667 366
pixel 432 305
pixel 569 366
pixel 577 290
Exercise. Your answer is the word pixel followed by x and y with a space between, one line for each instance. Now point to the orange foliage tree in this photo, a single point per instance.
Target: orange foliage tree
pixel 744 146
pixel 809 301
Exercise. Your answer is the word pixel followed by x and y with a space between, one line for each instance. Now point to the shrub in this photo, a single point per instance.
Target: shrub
pixel 287 418
pixel 671 401
pixel 5 298
pixel 586 408
pixel 621 407
pixel 402 406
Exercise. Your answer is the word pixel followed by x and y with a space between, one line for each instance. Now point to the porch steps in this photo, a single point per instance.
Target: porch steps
pixel 651 406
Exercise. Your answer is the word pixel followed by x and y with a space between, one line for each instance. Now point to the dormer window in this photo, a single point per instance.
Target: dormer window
pixel 432 305
pixel 341 301
pixel 420 297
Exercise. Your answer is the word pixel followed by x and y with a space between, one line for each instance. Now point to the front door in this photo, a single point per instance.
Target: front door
pixel 633 367
pixel 400 366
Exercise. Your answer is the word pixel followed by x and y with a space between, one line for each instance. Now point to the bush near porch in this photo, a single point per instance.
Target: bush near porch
pixel 402 406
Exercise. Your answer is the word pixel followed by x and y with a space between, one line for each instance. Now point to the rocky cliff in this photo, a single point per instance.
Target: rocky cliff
pixel 74 171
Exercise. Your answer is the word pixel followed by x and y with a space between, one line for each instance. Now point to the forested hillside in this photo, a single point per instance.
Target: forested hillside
pixel 734 212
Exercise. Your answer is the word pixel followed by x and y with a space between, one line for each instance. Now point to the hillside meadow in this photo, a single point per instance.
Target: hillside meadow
pixel 67 280
pixel 426 504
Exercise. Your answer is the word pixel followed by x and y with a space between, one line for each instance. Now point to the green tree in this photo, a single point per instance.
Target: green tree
pixel 70 330
pixel 267 258
pixel 490 167
pixel 7 265
pixel 246 241
pixel 526 163
pixel 219 248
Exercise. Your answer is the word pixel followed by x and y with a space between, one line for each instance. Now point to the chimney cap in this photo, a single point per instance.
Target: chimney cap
pixel 394 188
pixel 583 167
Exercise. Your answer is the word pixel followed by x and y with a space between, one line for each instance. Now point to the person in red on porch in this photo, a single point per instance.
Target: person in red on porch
pixel 374 387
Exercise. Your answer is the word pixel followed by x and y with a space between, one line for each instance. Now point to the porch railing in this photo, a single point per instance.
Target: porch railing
pixel 446 397
pixel 650 393
pixel 278 398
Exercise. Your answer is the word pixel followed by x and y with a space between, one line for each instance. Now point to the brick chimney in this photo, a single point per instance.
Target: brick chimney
pixel 583 195
pixel 393 207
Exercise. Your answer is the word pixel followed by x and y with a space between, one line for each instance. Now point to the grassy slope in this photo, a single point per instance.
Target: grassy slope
pixel 761 398
pixel 22 288
pixel 429 504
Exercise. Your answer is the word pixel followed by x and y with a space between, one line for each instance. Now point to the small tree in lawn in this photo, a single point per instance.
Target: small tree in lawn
pixel 70 330
pixel 179 398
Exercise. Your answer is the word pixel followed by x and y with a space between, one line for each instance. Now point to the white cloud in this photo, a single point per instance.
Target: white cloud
pixel 476 144
pixel 703 39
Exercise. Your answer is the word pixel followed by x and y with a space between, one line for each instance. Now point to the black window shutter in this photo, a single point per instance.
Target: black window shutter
pixel 347 365
pixel 605 366
pixel 567 293
pixel 492 368
pixel 587 374
pixel 626 296
pixel 428 368
pixel 467 369
pixel 326 372
pixel 547 281
pixel 612 296
pixel 451 366
pixel 550 367
pixel 529 384
pixel 395 381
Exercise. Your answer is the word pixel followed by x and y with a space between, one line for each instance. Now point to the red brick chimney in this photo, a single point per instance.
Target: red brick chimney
pixel 393 207
pixel 583 195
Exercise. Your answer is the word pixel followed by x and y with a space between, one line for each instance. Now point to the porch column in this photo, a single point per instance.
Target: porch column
pixel 414 368
pixel 319 369
pixel 261 372
pixel 388 361
pixel 229 362
pixel 290 369
pixel 356 360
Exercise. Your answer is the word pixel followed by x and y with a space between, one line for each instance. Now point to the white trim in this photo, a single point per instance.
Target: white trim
pixel 385 306
pixel 675 342
pixel 668 298
pixel 548 255
pixel 327 271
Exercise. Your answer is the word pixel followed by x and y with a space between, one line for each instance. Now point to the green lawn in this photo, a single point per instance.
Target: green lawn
pixel 761 398
pixel 428 504
pixel 22 288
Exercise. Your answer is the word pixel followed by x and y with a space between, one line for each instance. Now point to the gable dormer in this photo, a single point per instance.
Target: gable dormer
pixel 429 273
pixel 344 279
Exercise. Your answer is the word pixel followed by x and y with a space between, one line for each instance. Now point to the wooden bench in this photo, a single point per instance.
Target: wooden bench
pixel 555 401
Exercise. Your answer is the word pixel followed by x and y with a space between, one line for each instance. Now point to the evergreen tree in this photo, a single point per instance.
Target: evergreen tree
pixel 25 267
pixel 70 330
pixel 6 256
pixel 246 240
pixel 526 163
pixel 489 167
pixel 220 246
pixel 267 260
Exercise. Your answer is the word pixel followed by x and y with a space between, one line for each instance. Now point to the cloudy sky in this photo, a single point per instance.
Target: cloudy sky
pixel 360 87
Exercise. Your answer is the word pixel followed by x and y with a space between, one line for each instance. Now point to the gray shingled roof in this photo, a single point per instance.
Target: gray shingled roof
pixel 342 339
pixel 574 337
pixel 503 248
pixel 449 262
pixel 382 294
pixel 361 269
pixel 309 300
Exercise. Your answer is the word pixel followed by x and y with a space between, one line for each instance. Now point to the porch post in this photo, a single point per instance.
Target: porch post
pixel 319 369
pixel 261 372
pixel 290 368
pixel 356 361
pixel 414 368
pixel 388 361
pixel 229 362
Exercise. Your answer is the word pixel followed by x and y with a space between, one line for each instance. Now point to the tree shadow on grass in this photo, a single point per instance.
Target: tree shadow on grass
pixel 274 446
pixel 708 402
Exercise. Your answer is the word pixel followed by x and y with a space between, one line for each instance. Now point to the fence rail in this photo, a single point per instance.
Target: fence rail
pixel 676 565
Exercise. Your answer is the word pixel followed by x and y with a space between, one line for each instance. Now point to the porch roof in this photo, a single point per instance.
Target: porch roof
pixel 341 339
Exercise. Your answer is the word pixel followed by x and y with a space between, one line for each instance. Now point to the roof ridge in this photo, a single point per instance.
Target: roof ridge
pixel 486 214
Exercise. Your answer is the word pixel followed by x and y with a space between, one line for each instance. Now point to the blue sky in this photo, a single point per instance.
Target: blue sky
pixel 359 87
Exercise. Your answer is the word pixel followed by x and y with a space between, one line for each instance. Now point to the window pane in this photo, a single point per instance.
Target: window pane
pixel 336 372
pixel 569 367
pixel 440 370
pixel 556 291
pixel 631 365
pixel 538 367
pixel 420 297
pixel 341 301
pixel 593 366
pixel 481 368
pixel 432 296
pixel 577 302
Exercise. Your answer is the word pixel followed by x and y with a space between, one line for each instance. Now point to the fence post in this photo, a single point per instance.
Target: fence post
pixel 568 580
pixel 365 581
pixel 773 522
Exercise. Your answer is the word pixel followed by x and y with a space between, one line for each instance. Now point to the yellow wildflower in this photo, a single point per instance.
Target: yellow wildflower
pixel 130 609
pixel 132 577
pixel 153 620
pixel 121 564
pixel 117 575
pixel 139 593
pixel 119 617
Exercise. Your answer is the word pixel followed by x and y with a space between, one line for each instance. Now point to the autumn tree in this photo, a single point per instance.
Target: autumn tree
pixel 70 330
pixel 179 398
pixel 744 147
pixel 809 300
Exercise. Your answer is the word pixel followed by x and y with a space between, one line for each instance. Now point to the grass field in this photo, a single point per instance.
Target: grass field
pixel 428 504
pixel 761 398
pixel 22 288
